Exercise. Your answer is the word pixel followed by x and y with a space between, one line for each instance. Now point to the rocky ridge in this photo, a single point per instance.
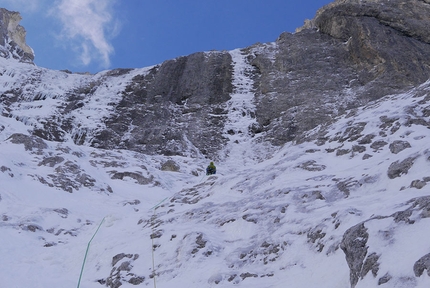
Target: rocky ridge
pixel 12 37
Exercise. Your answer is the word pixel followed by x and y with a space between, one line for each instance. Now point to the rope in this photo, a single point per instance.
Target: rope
pixel 153 257
pixel 202 177
pixel 153 234
pixel 152 239
pixel 156 206
pixel 86 252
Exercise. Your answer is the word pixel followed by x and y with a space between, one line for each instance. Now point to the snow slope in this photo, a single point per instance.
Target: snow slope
pixel 279 221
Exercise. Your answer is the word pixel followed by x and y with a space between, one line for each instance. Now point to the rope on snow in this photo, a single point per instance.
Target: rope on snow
pixel 86 252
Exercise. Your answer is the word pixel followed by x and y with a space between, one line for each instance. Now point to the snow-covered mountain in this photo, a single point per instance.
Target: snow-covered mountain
pixel 322 163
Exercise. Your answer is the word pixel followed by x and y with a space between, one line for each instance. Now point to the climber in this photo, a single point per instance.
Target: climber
pixel 211 169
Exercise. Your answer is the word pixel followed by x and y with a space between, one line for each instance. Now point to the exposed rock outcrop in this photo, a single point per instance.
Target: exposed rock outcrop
pixel 178 103
pixel 422 264
pixel 12 37
pixel 358 51
pixel 354 244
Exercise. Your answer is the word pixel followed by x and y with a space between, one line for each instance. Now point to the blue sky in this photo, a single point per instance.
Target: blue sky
pixel 94 35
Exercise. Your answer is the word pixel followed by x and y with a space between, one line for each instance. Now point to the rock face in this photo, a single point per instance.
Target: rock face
pixel 368 54
pixel 179 102
pixel 12 37
pixel 355 52
pixel 358 50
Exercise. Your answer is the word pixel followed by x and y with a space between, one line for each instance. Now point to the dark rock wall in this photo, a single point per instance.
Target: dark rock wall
pixel 353 52
pixel 292 99
pixel 388 39
pixel 177 109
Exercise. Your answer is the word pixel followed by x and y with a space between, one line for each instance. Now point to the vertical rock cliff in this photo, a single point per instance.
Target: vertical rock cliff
pixel 12 37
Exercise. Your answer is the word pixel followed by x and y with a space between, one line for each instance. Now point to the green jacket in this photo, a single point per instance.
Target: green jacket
pixel 211 169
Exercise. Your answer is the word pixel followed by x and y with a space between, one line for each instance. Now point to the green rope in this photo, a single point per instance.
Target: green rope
pixel 86 253
pixel 152 240
pixel 156 206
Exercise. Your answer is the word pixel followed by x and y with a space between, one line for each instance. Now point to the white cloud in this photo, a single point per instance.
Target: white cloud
pixel 90 22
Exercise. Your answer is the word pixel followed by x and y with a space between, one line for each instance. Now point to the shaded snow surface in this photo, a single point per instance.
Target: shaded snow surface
pixel 265 221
